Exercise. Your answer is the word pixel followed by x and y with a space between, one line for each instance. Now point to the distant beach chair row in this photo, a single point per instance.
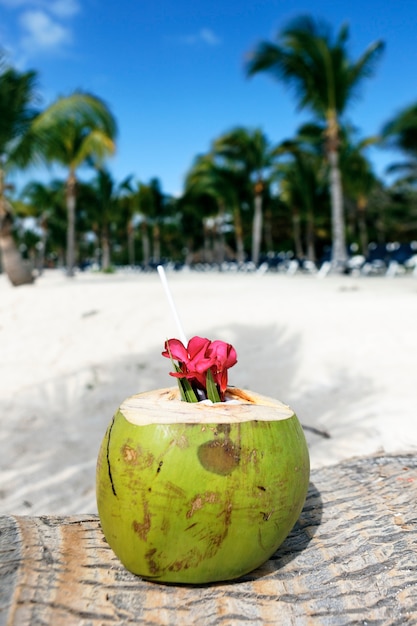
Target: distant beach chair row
pixel 390 260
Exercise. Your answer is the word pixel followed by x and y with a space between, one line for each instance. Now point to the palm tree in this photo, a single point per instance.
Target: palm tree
pixel 189 235
pixel 400 133
pixel 249 151
pixel 45 203
pixel 359 180
pixel 17 112
pixel 144 199
pixel 299 176
pixel 77 130
pixel 151 206
pixel 159 206
pixel 208 178
pixel 325 80
pixel 106 199
pixel 127 206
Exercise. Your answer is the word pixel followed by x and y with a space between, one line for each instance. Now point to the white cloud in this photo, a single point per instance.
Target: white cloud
pixel 204 36
pixel 42 26
pixel 61 8
pixel 14 4
pixel 209 37
pixel 41 32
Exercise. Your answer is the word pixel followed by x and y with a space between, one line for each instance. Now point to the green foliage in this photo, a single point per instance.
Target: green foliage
pixel 401 131
pixel 140 223
pixel 317 67
pixel 211 387
pixel 315 64
pixel 76 129
pixel 17 112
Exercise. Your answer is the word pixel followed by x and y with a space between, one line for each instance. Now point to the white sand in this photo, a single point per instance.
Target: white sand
pixel 341 351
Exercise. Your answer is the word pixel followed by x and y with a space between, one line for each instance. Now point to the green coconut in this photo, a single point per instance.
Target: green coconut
pixel 198 493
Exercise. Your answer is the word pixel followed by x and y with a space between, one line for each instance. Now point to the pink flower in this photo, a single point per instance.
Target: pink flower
pixel 198 357
pixel 223 356
pixel 192 360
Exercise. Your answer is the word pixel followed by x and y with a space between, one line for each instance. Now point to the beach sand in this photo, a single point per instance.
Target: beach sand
pixel 341 351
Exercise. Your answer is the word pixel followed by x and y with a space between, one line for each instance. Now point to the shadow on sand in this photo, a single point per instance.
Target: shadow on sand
pixel 56 427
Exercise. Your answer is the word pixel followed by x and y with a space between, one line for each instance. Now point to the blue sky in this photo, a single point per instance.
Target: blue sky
pixel 172 71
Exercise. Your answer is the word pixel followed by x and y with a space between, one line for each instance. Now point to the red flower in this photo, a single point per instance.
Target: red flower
pixel 198 357
pixel 192 360
pixel 224 356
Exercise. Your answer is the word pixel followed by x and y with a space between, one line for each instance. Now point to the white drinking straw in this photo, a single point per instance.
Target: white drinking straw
pixel 165 285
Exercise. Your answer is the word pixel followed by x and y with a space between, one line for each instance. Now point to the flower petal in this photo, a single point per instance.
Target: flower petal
pixel 197 347
pixel 174 348
pixel 224 353
pixel 200 357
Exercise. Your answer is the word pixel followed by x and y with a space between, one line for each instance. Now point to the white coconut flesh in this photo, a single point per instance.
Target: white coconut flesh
pixel 166 407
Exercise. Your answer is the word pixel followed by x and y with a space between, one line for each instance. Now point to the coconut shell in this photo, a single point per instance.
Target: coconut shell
pixel 198 493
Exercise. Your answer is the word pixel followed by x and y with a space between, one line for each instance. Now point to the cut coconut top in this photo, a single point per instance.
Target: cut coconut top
pixel 164 406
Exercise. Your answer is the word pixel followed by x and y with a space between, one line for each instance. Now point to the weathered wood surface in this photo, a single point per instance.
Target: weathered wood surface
pixel 351 559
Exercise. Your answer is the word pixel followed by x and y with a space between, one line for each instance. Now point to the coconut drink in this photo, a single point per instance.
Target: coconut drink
pixel 202 482
pixel 201 491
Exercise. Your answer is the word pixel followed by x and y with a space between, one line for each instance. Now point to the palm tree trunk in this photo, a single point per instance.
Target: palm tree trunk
pixel 41 248
pixel 363 231
pixel 189 256
pixel 206 242
pixel 131 243
pixel 240 250
pixel 339 255
pixel 70 197
pixel 267 231
pixel 311 249
pixel 146 247
pixel 220 244
pixel 18 272
pixel 296 229
pixel 105 250
pixel 257 228
pixel 156 242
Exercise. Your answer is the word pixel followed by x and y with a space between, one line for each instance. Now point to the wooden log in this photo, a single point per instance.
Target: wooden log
pixel 351 559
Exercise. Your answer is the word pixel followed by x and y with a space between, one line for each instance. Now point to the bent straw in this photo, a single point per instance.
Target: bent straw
pixel 165 285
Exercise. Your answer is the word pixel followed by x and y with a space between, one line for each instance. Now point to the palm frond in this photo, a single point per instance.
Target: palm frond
pixel 401 131
pixel 314 64
pixel 78 109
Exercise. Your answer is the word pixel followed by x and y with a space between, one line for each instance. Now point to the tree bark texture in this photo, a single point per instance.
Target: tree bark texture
pixel 146 244
pixel 240 248
pixel 71 202
pixel 257 229
pixel 350 559
pixel 18 271
pixel 339 253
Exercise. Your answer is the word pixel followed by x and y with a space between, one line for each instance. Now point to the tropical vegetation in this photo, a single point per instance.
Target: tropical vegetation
pixel 18 146
pixel 250 199
pixel 317 66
